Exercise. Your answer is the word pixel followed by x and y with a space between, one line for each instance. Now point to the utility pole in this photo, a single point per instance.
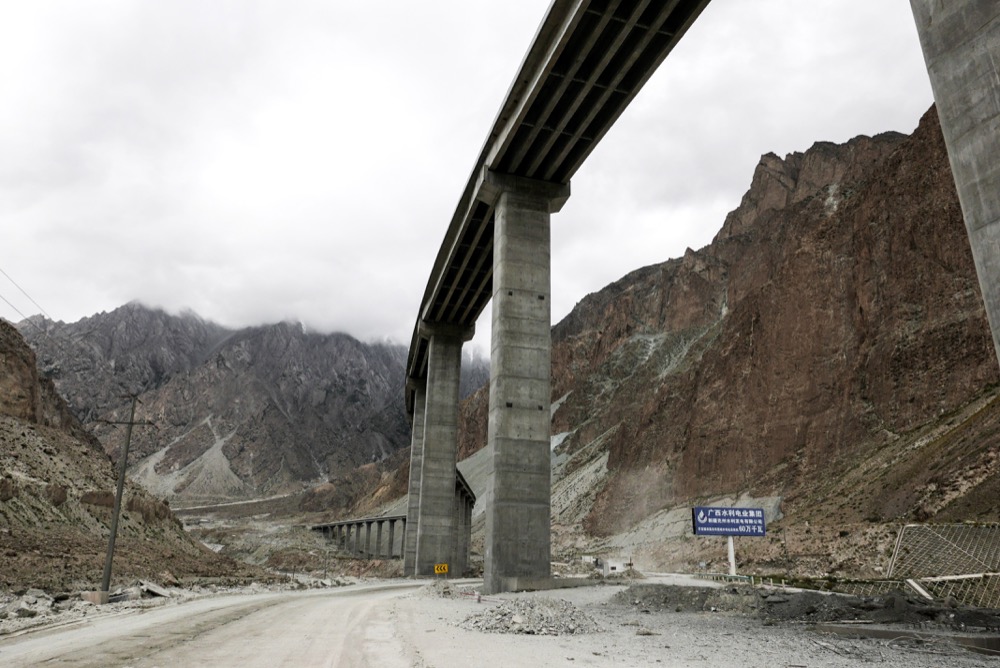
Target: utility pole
pixel 122 464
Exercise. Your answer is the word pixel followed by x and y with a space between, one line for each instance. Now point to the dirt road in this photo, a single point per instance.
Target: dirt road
pixel 406 623
pixel 319 628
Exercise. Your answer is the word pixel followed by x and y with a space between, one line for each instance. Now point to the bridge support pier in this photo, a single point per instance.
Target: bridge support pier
pixel 960 41
pixel 409 547
pixel 518 496
pixel 435 527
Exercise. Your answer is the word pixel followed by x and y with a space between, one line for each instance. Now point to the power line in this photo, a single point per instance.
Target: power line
pixel 26 295
pixel 56 343
pixel 60 346
pixel 23 317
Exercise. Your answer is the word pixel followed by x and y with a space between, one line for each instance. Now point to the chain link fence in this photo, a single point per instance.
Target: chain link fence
pixel 950 561
pixel 936 550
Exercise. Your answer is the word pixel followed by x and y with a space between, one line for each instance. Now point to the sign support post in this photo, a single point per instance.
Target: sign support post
pixel 732 555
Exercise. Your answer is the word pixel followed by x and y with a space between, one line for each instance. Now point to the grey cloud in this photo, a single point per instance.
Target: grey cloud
pixel 265 161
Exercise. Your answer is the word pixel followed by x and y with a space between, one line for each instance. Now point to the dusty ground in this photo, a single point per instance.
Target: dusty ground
pixel 656 623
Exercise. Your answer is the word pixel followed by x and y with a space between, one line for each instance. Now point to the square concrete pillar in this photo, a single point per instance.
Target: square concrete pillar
pixel 409 547
pixel 518 498
pixel 961 43
pixel 458 557
pixel 436 530
pixel 464 509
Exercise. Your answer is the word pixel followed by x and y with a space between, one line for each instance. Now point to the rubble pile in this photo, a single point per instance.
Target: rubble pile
pixel 651 597
pixel 32 603
pixel 781 605
pixel 543 617
pixel 891 608
pixel 34 607
pixel 445 589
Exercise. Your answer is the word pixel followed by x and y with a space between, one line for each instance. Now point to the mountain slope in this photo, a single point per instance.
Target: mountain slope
pixel 56 492
pixel 827 355
pixel 237 414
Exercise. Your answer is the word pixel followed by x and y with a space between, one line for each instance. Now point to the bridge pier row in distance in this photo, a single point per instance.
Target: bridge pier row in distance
pixel 961 43
pixel 436 526
pixel 518 499
pixel 354 537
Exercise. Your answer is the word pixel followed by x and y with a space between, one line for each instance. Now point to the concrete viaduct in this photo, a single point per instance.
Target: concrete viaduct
pixel 587 62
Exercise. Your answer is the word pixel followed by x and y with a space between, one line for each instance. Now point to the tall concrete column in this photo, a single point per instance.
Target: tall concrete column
pixel 518 497
pixel 409 547
pixel 464 517
pixel 436 516
pixel 458 559
pixel 378 539
pixel 467 530
pixel 368 540
pixel 961 44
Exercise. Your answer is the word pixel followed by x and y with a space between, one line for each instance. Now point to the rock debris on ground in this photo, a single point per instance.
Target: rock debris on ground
pixel 543 617
pixel 789 605
pixel 35 608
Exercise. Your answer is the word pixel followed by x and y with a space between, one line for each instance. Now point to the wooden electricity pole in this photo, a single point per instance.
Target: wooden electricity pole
pixel 122 464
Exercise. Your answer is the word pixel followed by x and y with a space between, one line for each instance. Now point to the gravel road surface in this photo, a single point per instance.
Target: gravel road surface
pixel 408 623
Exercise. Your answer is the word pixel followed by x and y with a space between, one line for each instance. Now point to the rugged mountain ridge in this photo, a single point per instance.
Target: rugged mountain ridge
pixel 56 493
pixel 828 350
pixel 99 359
pixel 237 414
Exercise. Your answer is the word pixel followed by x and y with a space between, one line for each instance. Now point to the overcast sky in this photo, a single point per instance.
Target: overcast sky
pixel 300 160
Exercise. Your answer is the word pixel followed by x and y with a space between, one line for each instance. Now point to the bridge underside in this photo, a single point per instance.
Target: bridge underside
pixel 586 64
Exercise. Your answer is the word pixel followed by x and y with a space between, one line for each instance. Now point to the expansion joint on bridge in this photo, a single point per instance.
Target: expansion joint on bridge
pixel 492 184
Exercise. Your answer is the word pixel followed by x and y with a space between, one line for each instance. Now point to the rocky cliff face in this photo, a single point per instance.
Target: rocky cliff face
pixel 824 320
pixel 98 360
pixel 56 492
pixel 236 414
pixel 833 327
pixel 28 396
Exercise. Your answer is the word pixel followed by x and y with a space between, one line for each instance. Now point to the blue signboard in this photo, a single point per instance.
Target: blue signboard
pixel 710 521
